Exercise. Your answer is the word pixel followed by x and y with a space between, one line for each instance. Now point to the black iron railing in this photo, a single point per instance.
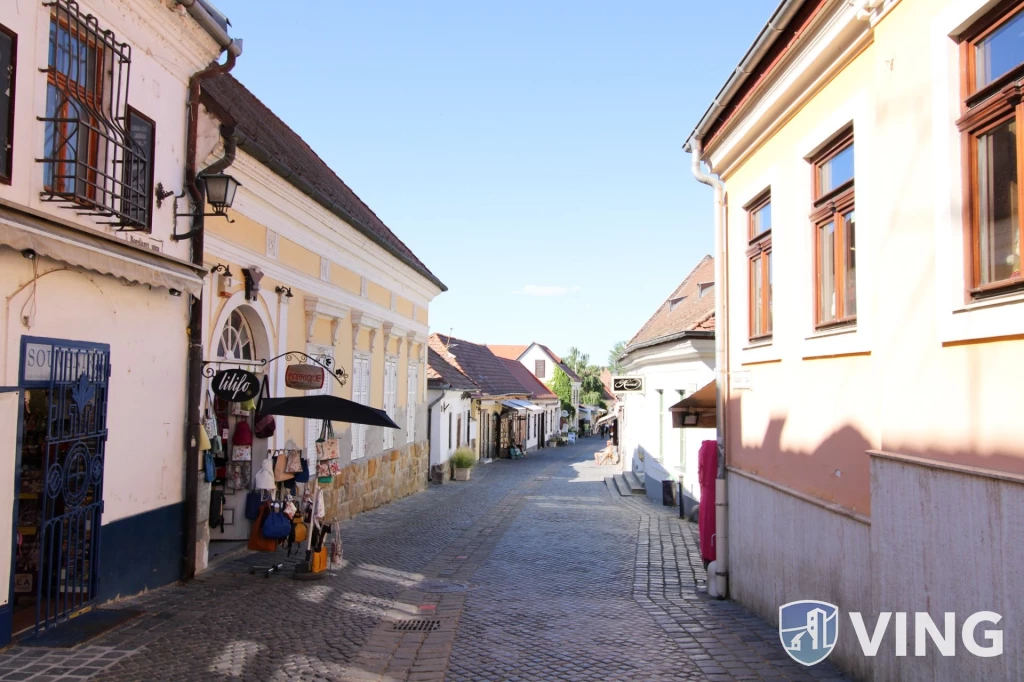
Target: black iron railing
pixel 91 161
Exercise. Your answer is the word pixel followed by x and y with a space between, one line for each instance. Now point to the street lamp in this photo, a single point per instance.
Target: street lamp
pixel 219 190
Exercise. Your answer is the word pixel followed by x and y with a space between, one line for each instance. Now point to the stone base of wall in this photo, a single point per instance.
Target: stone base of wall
pixel 374 481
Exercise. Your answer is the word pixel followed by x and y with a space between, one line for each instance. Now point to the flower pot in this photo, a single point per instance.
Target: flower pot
pixel 462 474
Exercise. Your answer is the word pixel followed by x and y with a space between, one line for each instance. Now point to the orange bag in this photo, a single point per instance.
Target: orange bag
pixel 257 542
pixel 319 561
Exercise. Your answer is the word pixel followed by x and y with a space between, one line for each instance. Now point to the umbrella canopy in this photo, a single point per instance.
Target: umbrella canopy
pixel 327 407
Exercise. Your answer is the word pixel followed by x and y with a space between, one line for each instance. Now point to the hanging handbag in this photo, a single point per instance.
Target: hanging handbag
pixel 299 530
pixel 335 553
pixel 327 445
pixel 204 440
pixel 266 424
pixel 217 509
pixel 210 467
pixel 209 421
pixel 252 505
pixel 293 461
pixel 304 475
pixel 279 471
pixel 241 443
pixel 239 475
pixel 328 469
pixel 257 542
pixel 276 525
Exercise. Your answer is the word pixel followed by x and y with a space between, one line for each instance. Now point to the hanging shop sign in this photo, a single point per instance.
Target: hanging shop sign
pixel 235 385
pixel 304 377
pixel 627 384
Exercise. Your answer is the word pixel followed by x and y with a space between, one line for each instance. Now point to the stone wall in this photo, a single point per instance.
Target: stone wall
pixel 371 482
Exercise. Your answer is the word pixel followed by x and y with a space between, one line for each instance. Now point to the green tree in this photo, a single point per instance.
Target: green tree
pixel 561 386
pixel 613 357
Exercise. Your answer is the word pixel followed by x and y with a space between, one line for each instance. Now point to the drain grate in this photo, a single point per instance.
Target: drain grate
pixel 416 625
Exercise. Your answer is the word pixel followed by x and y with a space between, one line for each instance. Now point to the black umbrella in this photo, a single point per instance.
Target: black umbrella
pixel 327 407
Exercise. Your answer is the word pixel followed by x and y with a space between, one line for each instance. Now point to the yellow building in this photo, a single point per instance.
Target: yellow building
pixel 866 163
pixel 334 283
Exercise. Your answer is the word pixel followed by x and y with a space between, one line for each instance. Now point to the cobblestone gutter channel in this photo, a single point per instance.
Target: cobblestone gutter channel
pixel 531 571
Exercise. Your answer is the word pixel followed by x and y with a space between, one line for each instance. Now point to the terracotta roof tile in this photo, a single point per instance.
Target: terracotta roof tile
pixel 262 127
pixel 529 382
pixel 478 363
pixel 507 352
pixel 691 307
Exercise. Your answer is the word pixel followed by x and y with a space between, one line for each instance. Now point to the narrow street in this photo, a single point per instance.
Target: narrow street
pixel 534 570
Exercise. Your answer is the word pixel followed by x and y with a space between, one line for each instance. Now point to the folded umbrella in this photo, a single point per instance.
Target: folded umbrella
pixel 329 408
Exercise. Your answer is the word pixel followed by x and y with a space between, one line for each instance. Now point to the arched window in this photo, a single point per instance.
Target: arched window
pixel 236 339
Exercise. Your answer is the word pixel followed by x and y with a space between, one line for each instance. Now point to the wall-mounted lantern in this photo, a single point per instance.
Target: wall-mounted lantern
pixel 224 281
pixel 219 190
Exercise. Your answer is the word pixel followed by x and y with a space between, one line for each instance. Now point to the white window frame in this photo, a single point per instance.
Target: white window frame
pixel 411 400
pixel 390 396
pixel 361 395
pixel 313 426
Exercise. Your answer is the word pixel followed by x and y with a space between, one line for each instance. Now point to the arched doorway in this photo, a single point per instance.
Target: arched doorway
pixel 241 339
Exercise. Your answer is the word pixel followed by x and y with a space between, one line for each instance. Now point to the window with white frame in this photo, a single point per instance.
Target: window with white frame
pixel 314 426
pixel 390 397
pixel 361 395
pixel 410 411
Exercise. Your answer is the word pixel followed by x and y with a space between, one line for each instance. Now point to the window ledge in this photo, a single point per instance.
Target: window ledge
pixel 991 302
pixel 829 332
pixel 758 352
pixel 837 341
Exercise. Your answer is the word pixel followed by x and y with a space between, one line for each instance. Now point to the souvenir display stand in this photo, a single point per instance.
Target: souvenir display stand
pixel 274 514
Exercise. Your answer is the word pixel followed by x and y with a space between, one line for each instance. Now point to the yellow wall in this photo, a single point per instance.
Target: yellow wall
pixel 345 278
pixel 243 231
pixel 421 314
pixel 378 294
pixel 298 257
pixel 894 384
pixel 403 306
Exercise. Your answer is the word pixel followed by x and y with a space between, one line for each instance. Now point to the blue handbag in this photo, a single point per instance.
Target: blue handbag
pixel 277 525
pixel 210 466
pixel 252 505
pixel 303 476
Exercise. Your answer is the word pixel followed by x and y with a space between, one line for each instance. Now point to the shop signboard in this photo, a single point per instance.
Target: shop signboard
pixel 627 384
pixel 304 377
pixel 235 385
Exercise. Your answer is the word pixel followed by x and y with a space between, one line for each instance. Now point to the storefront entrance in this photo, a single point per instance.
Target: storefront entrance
pixel 58 480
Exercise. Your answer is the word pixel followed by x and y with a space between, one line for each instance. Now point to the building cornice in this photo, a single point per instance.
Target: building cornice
pixel 830 43
pixel 370 312
pixel 274 203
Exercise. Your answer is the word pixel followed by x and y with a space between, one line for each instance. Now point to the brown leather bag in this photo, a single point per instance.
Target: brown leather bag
pixel 257 542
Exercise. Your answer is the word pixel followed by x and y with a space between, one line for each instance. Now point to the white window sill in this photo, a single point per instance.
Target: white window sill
pixel 989 318
pixel 843 340
pixel 760 352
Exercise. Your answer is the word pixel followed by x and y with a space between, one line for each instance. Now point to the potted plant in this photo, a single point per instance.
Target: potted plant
pixel 463 461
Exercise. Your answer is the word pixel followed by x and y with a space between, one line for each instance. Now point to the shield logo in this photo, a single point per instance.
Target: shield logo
pixel 808 630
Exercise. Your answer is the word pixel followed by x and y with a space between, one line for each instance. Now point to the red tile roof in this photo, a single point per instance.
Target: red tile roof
pixel 507 352
pixel 269 139
pixel 691 307
pixel 530 383
pixel 479 364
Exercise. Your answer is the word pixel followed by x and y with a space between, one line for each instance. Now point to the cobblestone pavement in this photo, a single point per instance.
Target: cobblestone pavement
pixel 534 570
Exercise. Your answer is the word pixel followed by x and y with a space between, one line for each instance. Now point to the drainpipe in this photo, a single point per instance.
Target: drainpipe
pixel 200 12
pixel 721 370
pixel 195 323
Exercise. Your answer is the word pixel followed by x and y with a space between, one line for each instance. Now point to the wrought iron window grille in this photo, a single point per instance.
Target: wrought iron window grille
pixel 91 161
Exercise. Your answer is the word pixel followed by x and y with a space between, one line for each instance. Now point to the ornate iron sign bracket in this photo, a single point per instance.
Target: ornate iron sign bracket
pixel 325 361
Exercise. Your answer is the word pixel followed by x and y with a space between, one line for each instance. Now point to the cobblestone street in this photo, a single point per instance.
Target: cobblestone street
pixel 534 570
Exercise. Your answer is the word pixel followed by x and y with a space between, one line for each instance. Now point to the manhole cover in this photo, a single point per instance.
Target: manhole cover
pixel 416 625
pixel 440 586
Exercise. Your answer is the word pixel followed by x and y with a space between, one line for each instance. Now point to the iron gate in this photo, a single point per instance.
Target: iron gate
pixel 72 497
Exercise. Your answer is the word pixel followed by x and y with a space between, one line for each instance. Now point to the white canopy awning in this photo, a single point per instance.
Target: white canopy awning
pixel 522 406
pixel 96 252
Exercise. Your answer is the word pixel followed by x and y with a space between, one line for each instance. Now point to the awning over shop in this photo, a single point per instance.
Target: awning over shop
pixel 607 418
pixel 522 406
pixel 695 411
pixel 96 252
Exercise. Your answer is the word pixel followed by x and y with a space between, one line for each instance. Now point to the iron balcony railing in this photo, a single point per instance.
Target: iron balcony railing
pixel 91 161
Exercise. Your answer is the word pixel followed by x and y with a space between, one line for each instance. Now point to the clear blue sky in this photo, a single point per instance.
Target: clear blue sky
pixel 528 152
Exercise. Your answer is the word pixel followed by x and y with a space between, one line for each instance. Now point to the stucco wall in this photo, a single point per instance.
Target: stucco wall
pixel 944 541
pixel 783 549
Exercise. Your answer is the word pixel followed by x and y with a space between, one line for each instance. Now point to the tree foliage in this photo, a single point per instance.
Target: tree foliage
pixel 590 376
pixel 561 386
pixel 613 357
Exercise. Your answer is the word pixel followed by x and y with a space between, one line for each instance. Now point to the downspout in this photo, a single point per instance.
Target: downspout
pixel 721 370
pixel 195 323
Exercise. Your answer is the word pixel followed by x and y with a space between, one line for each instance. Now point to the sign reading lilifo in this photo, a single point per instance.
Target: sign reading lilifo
pixel 627 384
pixel 304 377
pixel 235 385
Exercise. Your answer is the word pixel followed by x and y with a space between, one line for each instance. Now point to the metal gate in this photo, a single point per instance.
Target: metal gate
pixel 72 497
